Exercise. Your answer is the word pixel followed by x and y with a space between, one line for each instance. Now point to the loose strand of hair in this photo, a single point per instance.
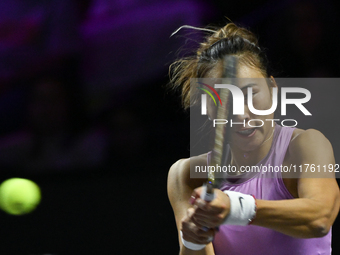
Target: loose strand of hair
pixel 192 27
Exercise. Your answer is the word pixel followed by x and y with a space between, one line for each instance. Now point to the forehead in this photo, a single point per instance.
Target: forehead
pixel 250 75
pixel 244 71
pixel 246 74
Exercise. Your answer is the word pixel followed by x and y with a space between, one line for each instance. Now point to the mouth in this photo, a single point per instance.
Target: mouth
pixel 247 132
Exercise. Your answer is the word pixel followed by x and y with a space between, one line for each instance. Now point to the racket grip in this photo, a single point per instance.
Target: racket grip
pixel 208 192
pixel 208 195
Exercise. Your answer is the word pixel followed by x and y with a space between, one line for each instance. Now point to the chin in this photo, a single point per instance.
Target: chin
pixel 249 146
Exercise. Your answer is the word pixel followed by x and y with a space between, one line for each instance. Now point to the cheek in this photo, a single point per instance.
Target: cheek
pixel 262 101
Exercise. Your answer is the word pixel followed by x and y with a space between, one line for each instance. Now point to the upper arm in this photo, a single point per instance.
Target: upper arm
pixel 311 148
pixel 180 187
pixel 178 193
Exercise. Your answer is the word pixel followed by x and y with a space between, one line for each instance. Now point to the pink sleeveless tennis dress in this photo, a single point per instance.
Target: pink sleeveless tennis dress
pixel 255 240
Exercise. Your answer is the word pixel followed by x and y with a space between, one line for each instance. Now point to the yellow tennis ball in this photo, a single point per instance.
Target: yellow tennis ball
pixel 19 196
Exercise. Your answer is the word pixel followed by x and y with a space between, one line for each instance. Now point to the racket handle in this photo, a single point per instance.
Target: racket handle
pixel 208 193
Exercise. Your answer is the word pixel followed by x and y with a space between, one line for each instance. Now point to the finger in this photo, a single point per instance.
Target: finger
pixel 199 223
pixel 210 220
pixel 206 223
pixel 197 192
pixel 193 198
pixel 207 215
pixel 202 215
pixel 215 206
pixel 190 212
pixel 197 229
pixel 194 234
pixel 200 203
pixel 203 224
pixel 194 239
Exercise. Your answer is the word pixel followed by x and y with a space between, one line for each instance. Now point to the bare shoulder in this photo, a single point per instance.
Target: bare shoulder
pixel 307 148
pixel 308 145
pixel 298 132
pixel 310 139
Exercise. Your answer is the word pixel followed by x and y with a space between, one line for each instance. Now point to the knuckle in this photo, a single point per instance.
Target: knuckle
pixel 211 233
pixel 220 217
pixel 197 231
pixel 223 207
pixel 184 225
pixel 185 236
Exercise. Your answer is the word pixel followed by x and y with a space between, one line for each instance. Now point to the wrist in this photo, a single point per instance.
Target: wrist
pixel 255 209
pixel 192 246
pixel 242 208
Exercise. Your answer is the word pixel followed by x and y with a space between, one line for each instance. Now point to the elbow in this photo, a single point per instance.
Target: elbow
pixel 320 231
pixel 320 228
pixel 321 225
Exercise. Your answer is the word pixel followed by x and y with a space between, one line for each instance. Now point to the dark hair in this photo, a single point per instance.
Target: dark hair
pixel 228 40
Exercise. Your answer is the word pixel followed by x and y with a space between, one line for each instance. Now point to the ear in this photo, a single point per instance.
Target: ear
pixel 273 82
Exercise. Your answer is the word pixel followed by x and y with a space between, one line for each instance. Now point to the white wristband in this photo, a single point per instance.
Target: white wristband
pixel 192 246
pixel 242 208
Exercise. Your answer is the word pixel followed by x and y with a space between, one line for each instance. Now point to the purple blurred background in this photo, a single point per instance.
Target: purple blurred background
pixel 86 114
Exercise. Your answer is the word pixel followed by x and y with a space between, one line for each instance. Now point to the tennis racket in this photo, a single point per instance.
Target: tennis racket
pixel 220 147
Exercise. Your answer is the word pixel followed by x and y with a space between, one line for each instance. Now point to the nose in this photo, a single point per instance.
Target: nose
pixel 245 117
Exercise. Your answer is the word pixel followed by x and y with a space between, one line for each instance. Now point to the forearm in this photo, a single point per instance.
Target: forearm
pixel 302 217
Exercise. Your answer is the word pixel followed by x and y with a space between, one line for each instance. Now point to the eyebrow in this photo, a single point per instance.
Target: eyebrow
pixel 248 86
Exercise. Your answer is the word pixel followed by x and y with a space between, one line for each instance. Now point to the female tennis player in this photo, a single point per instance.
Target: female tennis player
pixel 274 214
